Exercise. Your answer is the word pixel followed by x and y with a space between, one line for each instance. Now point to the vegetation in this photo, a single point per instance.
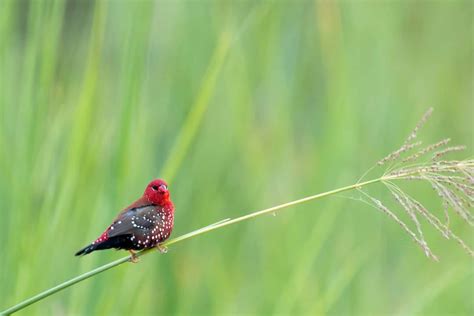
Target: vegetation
pixel 239 107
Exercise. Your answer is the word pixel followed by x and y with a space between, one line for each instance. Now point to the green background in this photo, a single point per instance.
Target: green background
pixel 240 106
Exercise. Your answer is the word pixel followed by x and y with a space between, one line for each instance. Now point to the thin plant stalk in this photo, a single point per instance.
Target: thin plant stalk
pixel 197 232
pixel 453 181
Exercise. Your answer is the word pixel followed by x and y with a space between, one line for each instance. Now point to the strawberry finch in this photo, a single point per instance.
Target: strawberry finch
pixel 144 224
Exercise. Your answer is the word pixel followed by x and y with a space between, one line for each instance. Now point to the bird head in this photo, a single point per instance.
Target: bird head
pixel 157 192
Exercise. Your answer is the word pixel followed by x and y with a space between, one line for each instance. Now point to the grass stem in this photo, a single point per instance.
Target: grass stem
pixel 206 229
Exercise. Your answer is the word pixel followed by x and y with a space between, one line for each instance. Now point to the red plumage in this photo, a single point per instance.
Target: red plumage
pixel 144 224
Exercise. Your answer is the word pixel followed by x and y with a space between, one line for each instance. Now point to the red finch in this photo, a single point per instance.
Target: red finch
pixel 144 224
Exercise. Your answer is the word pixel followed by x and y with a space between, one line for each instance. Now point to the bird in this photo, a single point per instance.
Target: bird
pixel 144 224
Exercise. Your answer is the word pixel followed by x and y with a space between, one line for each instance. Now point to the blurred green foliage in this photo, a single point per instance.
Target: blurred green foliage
pixel 240 106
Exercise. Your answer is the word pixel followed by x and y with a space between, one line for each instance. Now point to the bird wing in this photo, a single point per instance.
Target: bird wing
pixel 135 221
pixel 141 202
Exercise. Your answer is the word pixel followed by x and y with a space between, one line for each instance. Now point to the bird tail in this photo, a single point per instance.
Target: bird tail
pixel 119 242
pixel 86 250
pixel 93 247
pixel 103 242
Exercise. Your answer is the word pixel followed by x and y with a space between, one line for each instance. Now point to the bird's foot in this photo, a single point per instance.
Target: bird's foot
pixel 161 248
pixel 133 257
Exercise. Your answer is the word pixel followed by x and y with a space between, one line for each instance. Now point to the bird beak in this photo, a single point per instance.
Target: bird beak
pixel 163 188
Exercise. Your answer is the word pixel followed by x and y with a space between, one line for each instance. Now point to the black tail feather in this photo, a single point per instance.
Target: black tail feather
pixel 97 246
pixel 86 250
pixel 119 242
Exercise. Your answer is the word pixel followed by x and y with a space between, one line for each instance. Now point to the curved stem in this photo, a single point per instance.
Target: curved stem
pixel 200 231
pixel 63 285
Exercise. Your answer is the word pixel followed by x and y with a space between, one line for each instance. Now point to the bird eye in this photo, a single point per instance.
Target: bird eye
pixel 155 188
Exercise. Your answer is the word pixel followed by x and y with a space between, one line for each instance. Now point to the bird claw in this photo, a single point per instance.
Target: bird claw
pixel 133 257
pixel 161 248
